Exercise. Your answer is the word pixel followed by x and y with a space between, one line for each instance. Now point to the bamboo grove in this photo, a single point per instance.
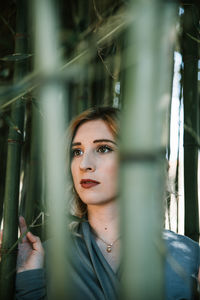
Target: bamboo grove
pixel 61 57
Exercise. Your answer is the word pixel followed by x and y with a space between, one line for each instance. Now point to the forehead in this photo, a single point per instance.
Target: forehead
pixel 95 129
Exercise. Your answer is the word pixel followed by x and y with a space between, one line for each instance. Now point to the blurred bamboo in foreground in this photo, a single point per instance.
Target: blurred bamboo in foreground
pixel 147 91
pixel 52 106
pixel 15 141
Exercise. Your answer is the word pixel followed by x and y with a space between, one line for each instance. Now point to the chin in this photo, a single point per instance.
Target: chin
pixel 97 200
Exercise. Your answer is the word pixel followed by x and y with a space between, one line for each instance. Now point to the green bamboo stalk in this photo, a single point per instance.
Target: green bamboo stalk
pixel 10 228
pixel 52 98
pixel 25 166
pixel 15 141
pixel 3 155
pixel 146 90
pixel 191 119
pixel 34 184
pixel 79 94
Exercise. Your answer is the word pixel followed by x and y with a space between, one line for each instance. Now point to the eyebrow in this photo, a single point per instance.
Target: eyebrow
pixel 96 141
pixel 104 140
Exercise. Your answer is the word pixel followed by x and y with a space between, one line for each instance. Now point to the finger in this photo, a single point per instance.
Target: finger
pixel 23 228
pixel 199 276
pixel 36 242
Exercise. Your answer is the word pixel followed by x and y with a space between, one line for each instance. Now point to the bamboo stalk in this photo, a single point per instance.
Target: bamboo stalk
pixel 176 181
pixel 52 99
pixel 191 120
pixel 3 155
pixel 144 136
pixel 10 211
pixel 15 140
pixel 34 184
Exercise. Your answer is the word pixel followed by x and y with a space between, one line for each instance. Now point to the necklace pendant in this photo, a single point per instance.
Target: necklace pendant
pixel 109 248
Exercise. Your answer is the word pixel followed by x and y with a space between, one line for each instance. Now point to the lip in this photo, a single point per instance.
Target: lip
pixel 88 183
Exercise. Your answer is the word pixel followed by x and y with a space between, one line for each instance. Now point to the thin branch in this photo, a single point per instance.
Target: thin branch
pixel 96 11
pixel 23 235
pixel 106 67
pixel 7 24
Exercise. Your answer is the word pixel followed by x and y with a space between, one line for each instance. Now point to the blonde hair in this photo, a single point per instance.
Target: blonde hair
pixel 110 116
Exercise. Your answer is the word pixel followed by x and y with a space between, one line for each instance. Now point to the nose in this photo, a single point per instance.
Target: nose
pixel 87 163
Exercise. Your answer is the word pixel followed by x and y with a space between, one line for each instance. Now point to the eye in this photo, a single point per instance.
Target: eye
pixel 104 149
pixel 76 152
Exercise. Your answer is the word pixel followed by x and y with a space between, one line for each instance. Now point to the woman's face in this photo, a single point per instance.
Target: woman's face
pixel 94 163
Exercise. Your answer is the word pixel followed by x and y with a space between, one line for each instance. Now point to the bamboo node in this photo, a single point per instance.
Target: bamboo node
pixel 11 141
pixel 20 35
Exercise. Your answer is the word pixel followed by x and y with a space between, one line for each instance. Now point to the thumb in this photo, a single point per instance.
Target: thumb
pixel 36 242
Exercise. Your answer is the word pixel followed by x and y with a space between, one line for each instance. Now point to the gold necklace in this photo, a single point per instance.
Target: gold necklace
pixel 109 246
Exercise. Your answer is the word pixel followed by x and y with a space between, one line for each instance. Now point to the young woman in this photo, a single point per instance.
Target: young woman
pixel 95 240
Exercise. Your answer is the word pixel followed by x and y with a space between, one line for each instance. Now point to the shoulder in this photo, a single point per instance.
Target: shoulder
pixel 181 265
pixel 177 243
pixel 182 253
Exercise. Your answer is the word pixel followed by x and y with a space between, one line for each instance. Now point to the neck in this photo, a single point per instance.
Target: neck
pixel 104 220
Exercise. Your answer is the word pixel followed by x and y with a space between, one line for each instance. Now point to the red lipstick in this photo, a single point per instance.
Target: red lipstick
pixel 88 183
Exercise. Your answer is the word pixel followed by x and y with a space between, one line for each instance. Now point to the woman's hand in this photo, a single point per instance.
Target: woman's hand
pixel 30 250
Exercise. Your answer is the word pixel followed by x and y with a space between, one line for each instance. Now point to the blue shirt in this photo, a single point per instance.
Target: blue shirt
pixel 182 264
pixel 94 279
